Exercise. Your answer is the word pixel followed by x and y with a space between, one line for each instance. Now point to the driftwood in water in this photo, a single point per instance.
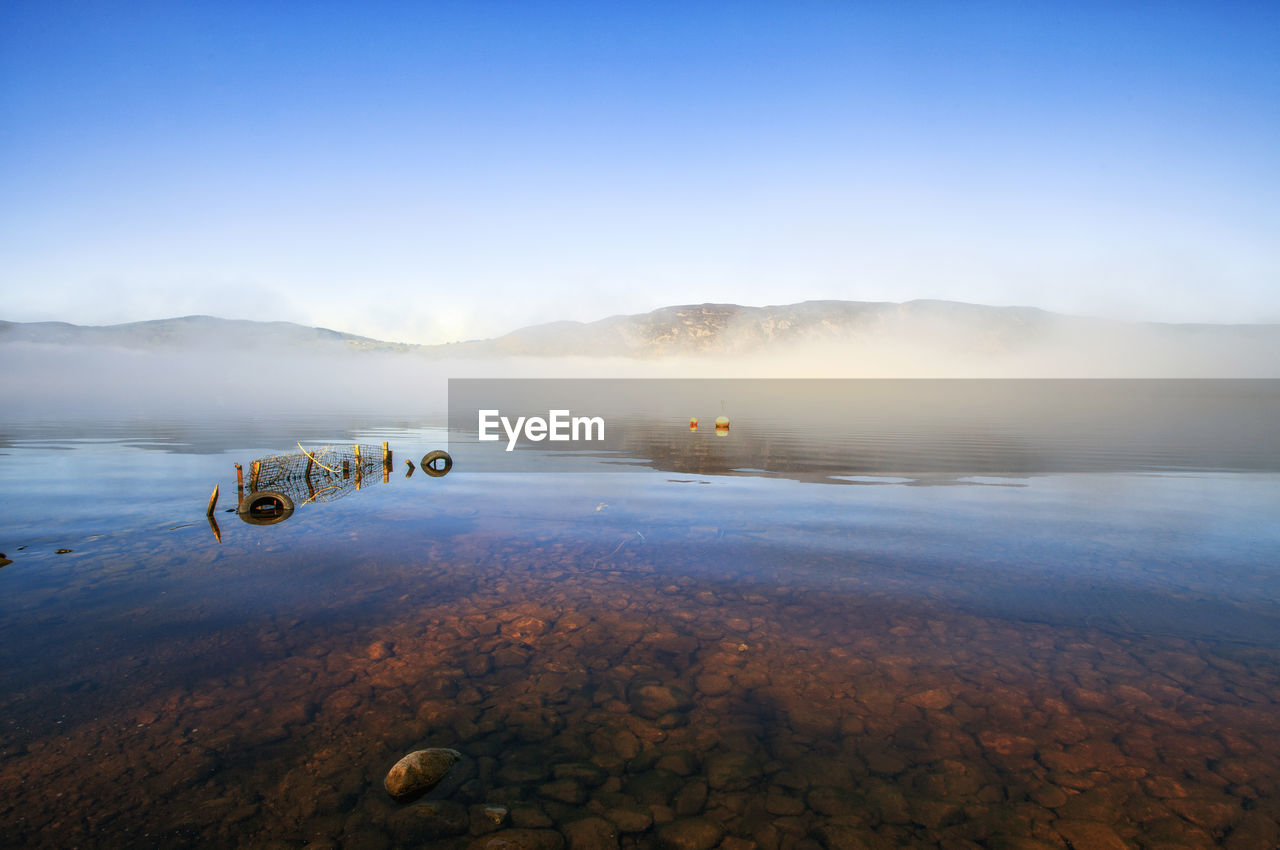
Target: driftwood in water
pixel 213 501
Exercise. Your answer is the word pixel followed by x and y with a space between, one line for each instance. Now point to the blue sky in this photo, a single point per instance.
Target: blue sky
pixel 429 172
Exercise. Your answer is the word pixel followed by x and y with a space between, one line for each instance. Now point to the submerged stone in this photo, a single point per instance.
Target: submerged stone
pixel 593 833
pixel 429 821
pixel 630 818
pixel 519 839
pixel 732 771
pixel 652 700
pixel 419 772
pixel 690 834
pixel 488 818
pixel 586 773
pixel 1090 834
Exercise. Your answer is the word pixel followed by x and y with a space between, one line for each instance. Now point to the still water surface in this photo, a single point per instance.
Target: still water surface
pixel 786 637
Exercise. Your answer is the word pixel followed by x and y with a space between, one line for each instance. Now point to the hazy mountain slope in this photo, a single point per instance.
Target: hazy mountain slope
pixel 866 333
pixel 193 332
pixel 730 329
pixel 699 329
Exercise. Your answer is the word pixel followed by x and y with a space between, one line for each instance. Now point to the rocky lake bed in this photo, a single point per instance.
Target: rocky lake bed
pixel 639 663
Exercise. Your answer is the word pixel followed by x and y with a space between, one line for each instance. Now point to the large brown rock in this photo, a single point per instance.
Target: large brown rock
pixel 419 772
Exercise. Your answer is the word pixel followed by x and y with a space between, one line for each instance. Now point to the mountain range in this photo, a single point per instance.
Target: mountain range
pixel 698 330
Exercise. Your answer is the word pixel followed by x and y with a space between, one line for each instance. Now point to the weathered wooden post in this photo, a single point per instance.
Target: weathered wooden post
pixel 253 475
pixel 213 501
pixel 239 477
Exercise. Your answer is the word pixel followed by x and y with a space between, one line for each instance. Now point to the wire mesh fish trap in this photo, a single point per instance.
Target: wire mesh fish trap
pixel 318 474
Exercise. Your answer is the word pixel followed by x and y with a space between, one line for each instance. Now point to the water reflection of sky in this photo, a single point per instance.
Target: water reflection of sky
pixel 1004 544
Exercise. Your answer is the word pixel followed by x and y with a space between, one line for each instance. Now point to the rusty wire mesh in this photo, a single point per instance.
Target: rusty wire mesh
pixel 318 474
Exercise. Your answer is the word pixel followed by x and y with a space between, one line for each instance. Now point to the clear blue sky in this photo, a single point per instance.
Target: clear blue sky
pixel 429 172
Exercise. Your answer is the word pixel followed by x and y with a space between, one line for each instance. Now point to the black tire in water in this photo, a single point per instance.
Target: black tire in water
pixel 265 507
pixel 428 464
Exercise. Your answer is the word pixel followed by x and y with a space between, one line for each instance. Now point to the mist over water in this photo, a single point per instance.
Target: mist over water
pixel 251 377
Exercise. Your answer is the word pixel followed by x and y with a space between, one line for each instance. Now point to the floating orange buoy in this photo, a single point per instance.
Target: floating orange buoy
pixel 693 426
pixel 693 422
pixel 722 422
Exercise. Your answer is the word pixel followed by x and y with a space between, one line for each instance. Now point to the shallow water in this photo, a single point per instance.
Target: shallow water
pixel 774 638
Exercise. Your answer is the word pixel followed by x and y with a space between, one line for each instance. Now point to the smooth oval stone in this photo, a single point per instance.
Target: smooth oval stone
pixel 419 772
pixel 652 700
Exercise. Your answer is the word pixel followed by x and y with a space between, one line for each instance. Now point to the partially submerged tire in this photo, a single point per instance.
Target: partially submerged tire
pixel 265 507
pixel 436 464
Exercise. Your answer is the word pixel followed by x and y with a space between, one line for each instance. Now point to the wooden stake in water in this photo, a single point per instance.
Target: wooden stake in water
pixel 239 477
pixel 213 501
pixel 253 475
pixel 386 454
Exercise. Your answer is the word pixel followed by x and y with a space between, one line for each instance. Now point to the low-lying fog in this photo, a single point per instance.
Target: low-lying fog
pixel 51 381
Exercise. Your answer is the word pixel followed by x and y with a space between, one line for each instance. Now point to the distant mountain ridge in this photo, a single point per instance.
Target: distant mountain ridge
pixel 697 329
pixel 680 331
pixel 192 332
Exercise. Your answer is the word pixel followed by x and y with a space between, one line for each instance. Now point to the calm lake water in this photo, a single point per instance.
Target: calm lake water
pixel 886 628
